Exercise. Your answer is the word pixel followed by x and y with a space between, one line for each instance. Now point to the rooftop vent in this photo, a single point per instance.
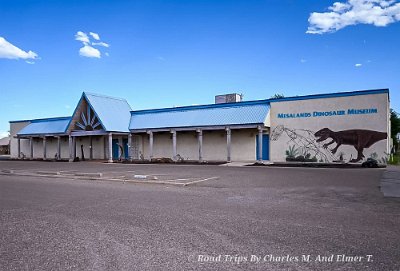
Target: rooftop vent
pixel 228 98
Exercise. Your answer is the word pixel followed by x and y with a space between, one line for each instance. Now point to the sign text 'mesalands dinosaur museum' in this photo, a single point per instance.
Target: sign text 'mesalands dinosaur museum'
pixel 327 113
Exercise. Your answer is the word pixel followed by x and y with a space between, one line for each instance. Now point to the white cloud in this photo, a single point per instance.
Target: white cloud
pixel 358 65
pixel 89 51
pixel 338 7
pixel 94 35
pixel 3 134
pixel 10 51
pixel 303 60
pixel 80 36
pixel 376 12
pixel 101 44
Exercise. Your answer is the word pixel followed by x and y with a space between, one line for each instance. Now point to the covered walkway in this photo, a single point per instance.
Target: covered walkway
pixel 229 131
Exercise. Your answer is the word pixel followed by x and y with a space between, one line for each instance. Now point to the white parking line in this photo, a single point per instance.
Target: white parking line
pixel 120 178
pixel 202 180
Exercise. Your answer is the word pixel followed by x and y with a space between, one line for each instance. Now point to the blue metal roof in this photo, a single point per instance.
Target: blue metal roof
pixel 46 126
pixel 331 95
pixel 113 113
pixel 31 120
pixel 240 113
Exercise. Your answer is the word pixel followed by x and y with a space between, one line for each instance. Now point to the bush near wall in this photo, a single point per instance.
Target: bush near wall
pixel 395 160
pixel 4 150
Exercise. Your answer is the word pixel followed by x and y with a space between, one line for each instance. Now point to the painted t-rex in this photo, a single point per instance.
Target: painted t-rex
pixel 359 139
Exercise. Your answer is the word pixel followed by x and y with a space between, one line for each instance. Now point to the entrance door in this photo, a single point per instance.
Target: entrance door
pixel 115 149
pixel 125 144
pixel 265 147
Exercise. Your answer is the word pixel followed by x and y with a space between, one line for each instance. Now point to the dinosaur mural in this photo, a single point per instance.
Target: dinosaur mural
pixel 302 145
pixel 359 139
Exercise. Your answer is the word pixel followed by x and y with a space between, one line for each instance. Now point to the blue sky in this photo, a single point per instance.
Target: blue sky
pixel 169 53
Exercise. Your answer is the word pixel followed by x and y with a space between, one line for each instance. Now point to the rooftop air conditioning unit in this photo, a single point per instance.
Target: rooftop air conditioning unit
pixel 228 98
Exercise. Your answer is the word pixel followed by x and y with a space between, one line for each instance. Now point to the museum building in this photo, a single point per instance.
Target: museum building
pixel 335 127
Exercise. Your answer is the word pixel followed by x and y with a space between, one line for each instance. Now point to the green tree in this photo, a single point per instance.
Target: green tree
pixel 395 127
pixel 277 96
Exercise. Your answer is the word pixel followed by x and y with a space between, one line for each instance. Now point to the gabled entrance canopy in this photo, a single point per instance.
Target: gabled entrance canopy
pixel 97 121
pixel 84 120
pixel 99 114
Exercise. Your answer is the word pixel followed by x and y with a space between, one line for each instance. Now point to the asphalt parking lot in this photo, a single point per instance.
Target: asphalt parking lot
pixel 238 218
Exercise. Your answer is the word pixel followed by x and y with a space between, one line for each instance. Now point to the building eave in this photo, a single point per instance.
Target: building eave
pixel 194 128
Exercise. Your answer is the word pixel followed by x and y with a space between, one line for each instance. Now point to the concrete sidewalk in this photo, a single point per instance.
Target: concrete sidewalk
pixel 236 164
pixel 390 182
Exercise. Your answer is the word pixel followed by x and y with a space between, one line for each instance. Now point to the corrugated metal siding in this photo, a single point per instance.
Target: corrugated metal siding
pixel 51 126
pixel 113 113
pixel 208 116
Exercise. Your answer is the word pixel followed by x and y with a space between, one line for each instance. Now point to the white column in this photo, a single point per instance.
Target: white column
pixel 129 147
pixel 70 145
pixel 91 148
pixel 44 148
pixel 110 154
pixel 31 147
pixel 150 144
pixel 19 148
pixel 260 143
pixel 174 152
pixel 105 147
pixel 58 148
pixel 119 149
pixel 200 142
pixel 228 144
pixel 74 147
